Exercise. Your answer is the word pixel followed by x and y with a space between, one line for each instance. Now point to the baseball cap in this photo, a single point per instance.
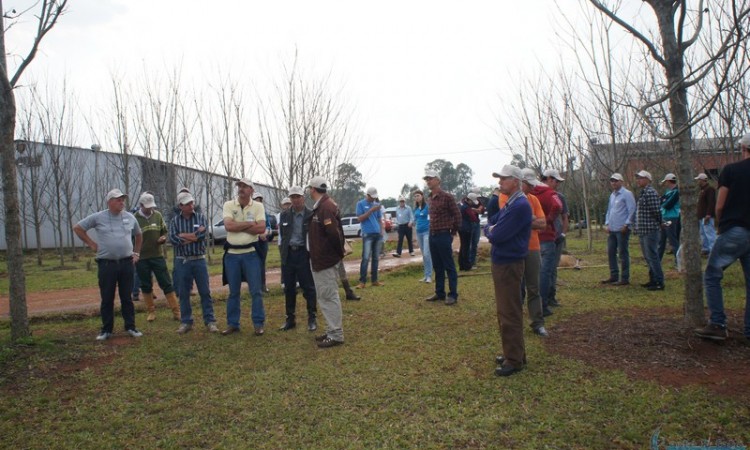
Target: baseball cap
pixel 472 196
pixel 529 176
pixel 553 173
pixel 744 140
pixel 508 171
pixel 246 181
pixel 401 198
pixel 372 192
pixel 185 198
pixel 430 174
pixel 616 176
pixel 669 177
pixel 643 174
pixel 286 200
pixel 318 183
pixel 295 190
pixel 147 200
pixel 184 189
pixel 701 176
pixel 115 193
pixel 257 195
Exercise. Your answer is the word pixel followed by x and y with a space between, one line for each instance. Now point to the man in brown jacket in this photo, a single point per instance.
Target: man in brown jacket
pixel 326 241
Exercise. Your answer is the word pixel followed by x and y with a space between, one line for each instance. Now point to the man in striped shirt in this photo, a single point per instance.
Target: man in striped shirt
pixel 647 228
pixel 187 232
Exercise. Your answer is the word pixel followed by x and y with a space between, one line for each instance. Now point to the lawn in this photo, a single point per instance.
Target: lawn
pixel 412 374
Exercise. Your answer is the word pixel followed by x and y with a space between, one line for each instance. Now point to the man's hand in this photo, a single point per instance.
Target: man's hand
pixel 94 246
pixel 161 240
pixel 624 229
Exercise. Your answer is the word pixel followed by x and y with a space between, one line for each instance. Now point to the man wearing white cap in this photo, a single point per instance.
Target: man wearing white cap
pixel 469 208
pixel 552 206
pixel 732 243
pixel 286 203
pixel 116 256
pixel 405 223
pixel 670 216
pixel 706 212
pixel 244 219
pixel 151 261
pixel 647 226
pixel 552 178
pixel 509 232
pixel 445 220
pixel 618 223
pixel 369 215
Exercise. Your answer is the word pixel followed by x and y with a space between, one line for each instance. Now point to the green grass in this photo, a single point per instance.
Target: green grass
pixel 412 374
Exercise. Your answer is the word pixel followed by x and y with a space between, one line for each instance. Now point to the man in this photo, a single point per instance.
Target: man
pixel 706 212
pixel 262 244
pixel 732 243
pixel 295 259
pixel 445 220
pixel 176 211
pixel 405 223
pixel 152 260
pixel 244 220
pixel 469 217
pixel 509 232
pixel 617 224
pixel 370 221
pixel 552 178
pixel 552 207
pixel 326 241
pixel 670 216
pixel 116 255
pixel 647 225
pixel 286 203
pixel 532 263
pixel 476 229
pixel 187 233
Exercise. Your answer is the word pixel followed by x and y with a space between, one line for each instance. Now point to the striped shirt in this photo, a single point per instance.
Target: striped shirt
pixel 648 212
pixel 180 224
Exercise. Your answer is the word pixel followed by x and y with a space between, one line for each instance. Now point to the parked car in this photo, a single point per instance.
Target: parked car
pixel 351 226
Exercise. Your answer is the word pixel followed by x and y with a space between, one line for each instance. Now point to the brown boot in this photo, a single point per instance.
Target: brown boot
pixel 150 306
pixel 174 305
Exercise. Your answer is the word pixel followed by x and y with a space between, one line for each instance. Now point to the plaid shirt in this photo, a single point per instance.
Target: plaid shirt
pixel 648 212
pixel 444 213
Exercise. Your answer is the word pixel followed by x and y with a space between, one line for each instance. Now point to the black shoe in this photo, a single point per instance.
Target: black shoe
pixel 288 325
pixel 499 360
pixel 312 325
pixel 506 371
pixel 396 255
pixel 554 303
pixel 230 330
pixel 656 287
pixel 450 300
pixel 646 285
pixel 712 332
pixel 546 312
pixel 328 343
pixel 609 280
pixel 621 283
pixel 434 298
pixel 352 296
pixel 321 338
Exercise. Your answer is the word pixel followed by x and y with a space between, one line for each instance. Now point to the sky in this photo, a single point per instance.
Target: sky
pixel 424 79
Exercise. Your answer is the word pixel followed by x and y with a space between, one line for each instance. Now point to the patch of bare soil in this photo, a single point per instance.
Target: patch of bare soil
pixel 656 345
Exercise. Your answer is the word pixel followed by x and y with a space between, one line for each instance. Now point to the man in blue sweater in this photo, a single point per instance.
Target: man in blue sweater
pixel 509 232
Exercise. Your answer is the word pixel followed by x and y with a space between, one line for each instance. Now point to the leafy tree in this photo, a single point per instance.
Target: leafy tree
pixel 348 187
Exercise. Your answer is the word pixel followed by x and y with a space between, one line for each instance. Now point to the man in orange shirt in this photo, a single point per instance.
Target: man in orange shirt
pixel 533 260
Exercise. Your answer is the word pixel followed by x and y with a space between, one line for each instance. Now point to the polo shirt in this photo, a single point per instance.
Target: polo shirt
pixel 252 212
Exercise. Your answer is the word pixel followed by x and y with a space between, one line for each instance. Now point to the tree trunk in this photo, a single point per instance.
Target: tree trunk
pixel 19 324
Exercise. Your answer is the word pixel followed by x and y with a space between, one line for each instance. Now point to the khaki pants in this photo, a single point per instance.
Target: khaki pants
pixel 507 280
pixel 327 289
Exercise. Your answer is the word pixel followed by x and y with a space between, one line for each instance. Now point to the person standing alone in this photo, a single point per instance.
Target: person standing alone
pixel 617 223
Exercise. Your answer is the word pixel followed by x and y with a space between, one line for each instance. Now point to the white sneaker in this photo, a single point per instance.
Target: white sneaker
pixel 212 328
pixel 411 254
pixel 184 328
pixel 423 280
pixel 103 336
pixel 135 333
pixel 428 280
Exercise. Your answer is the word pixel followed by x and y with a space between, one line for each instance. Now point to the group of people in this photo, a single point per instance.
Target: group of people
pixel 526 229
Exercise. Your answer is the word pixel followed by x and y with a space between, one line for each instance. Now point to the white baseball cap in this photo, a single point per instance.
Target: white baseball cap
pixel 529 176
pixel 616 176
pixel 644 174
pixel 185 198
pixel 509 171
pixel 318 183
pixel 744 140
pixel 115 193
pixel 147 200
pixel 701 176
pixel 553 173
pixel 372 192
pixel 430 174
pixel 246 181
pixel 295 190
pixel 669 177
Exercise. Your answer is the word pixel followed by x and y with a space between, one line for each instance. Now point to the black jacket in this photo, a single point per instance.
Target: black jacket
pixel 286 226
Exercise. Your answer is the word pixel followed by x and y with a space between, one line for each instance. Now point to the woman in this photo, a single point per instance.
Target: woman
pixel 422 223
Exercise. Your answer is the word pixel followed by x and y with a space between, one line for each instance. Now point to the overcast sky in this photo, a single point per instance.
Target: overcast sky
pixel 424 77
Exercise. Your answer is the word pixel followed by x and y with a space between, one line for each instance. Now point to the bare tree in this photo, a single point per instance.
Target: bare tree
pixel 665 107
pixel 48 14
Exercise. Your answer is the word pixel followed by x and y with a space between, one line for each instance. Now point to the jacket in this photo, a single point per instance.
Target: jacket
pixel 552 207
pixel 326 235
pixel 286 227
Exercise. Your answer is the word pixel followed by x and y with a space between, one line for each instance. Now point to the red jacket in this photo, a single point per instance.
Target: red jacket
pixel 552 207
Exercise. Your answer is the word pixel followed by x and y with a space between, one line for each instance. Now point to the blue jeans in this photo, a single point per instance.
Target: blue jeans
pixel 617 243
pixel 189 271
pixel 671 234
pixel 423 240
pixel 730 246
pixel 245 266
pixel 371 246
pixel 708 234
pixel 650 249
pixel 441 250
pixel 476 232
pixel 548 252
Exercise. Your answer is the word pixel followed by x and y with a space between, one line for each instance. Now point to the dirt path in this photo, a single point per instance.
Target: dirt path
pixel 87 299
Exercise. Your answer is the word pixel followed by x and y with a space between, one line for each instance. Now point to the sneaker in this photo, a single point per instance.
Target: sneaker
pixel 259 330
pixel 411 254
pixel 328 343
pixel 546 312
pixel 656 287
pixel 396 255
pixel 423 280
pixel 713 332
pixel 542 332
pixel 451 300
pixel 428 280
pixel 103 336
pixel 554 302
pixel 649 284
pixel 186 327
pixel 321 338
pixel 212 328
pixel 135 333
pixel 352 296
